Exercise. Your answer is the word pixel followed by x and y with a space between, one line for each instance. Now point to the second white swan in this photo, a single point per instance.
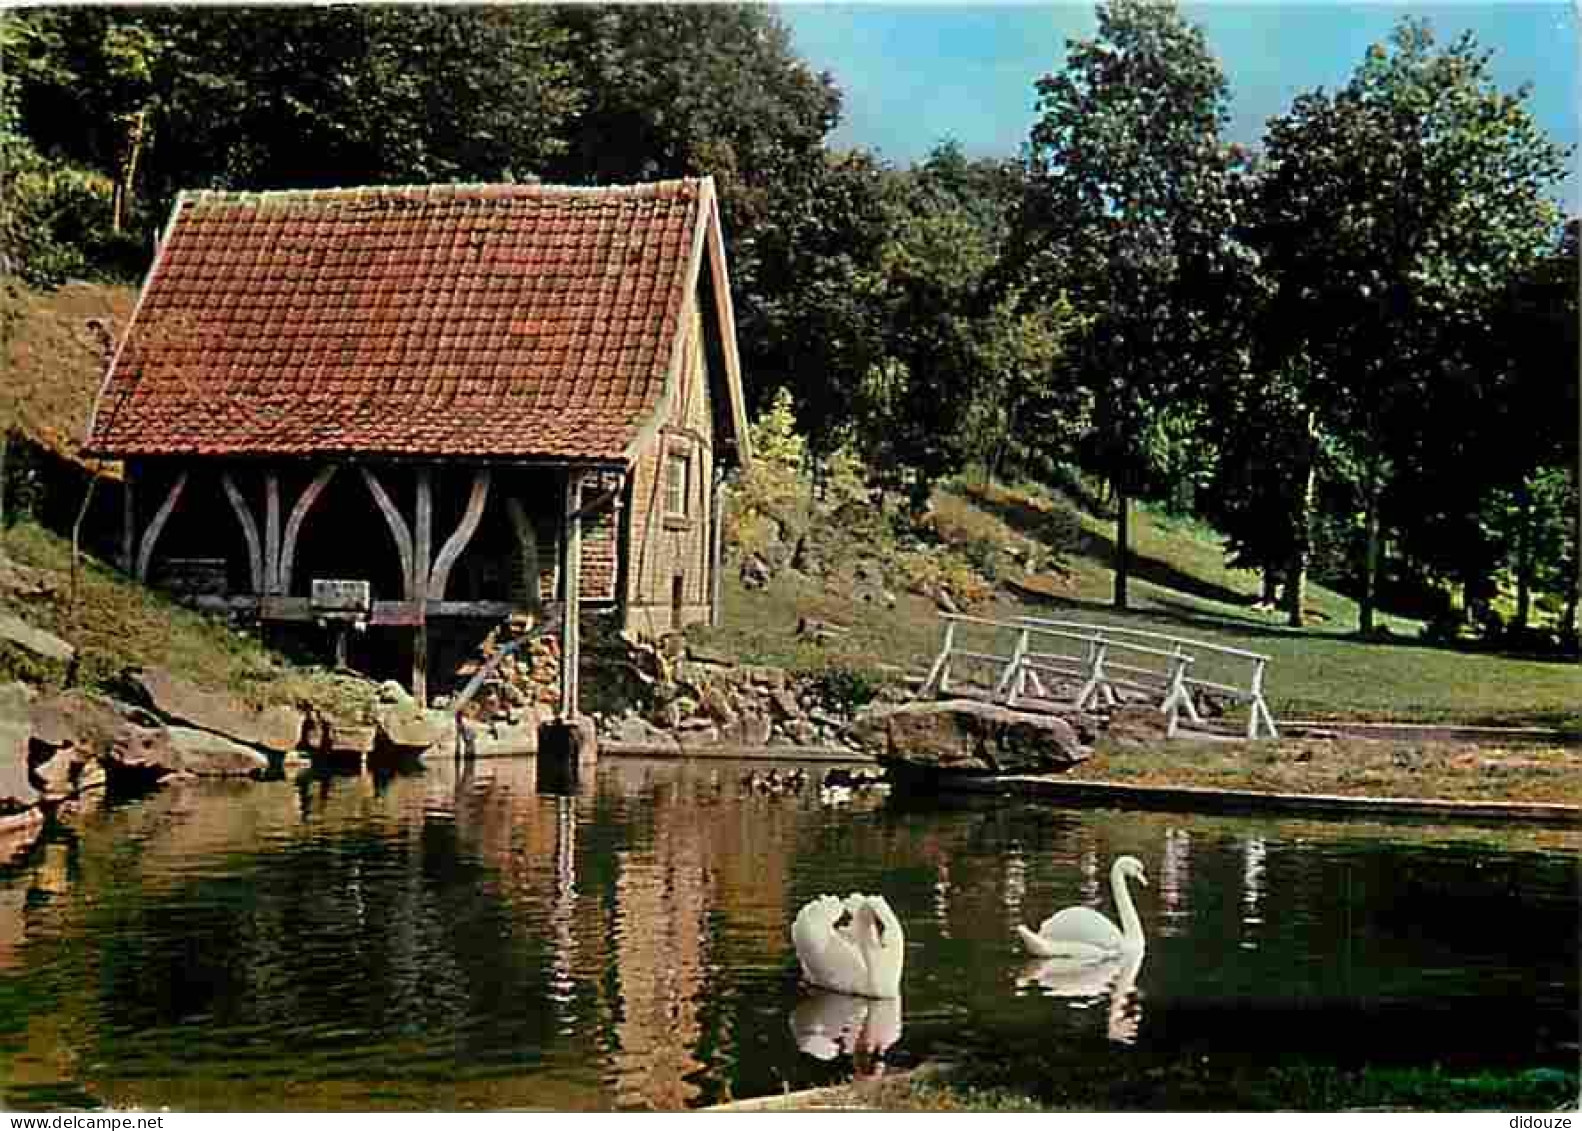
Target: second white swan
pixel 853 945
pixel 1082 934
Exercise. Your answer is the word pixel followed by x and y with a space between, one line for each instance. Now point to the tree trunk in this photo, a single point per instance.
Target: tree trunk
pixel 1524 553
pixel 1370 556
pixel 1123 506
pixel 1271 587
pixel 1296 577
pixel 137 128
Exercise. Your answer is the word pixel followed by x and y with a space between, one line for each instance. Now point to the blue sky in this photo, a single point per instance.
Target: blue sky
pixel 914 74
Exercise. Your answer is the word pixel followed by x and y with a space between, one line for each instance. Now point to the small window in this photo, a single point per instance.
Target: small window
pixel 678 475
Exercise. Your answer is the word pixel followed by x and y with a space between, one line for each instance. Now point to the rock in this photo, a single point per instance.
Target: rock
pixel 406 729
pixel 144 752
pixel 35 642
pixel 820 631
pixel 801 732
pixel 70 733
pixel 752 729
pixel 968 737
pixel 755 572
pixel 785 705
pixel 497 740
pixel 277 729
pixel 715 704
pixel 17 791
pixel 207 755
pixel 634 731
pixel 697 733
pixel 944 602
pixel 19 831
pixel 392 692
pixel 702 654
pixel 1137 726
pixel 763 676
pixel 349 739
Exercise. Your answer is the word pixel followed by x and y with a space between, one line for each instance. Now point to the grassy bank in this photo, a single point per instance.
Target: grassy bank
pixel 1180 586
pixel 116 623
pixel 1126 1087
pixel 1350 768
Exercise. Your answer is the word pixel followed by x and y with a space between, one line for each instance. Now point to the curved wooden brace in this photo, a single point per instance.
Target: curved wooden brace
pixel 457 542
pixel 255 550
pixel 397 524
pixel 299 513
pixel 145 552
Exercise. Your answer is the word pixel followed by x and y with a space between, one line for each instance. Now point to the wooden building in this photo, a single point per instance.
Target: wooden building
pixel 428 408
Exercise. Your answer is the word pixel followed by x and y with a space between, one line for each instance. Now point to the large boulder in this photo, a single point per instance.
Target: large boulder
pixel 73 735
pixel 17 791
pixel 35 642
pixel 407 730
pixel 277 729
pixel 208 755
pixel 963 736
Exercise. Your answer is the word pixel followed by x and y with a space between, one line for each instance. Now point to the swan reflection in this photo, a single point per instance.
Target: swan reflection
pixel 1115 979
pixel 827 1025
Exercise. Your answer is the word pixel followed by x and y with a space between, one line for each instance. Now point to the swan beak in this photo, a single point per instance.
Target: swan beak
pixel 1142 879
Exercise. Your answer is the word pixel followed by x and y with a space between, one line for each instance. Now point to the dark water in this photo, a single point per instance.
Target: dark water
pixel 447 941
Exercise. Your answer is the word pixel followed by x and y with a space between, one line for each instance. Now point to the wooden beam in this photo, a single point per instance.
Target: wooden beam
pixel 244 515
pixel 571 570
pixel 299 513
pixel 527 546
pixel 716 546
pixel 422 547
pixel 457 542
pixel 145 553
pixel 397 525
pixel 128 520
pixel 272 531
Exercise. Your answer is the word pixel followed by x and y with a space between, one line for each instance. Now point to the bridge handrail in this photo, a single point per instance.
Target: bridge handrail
pixel 1121 629
pixel 1104 674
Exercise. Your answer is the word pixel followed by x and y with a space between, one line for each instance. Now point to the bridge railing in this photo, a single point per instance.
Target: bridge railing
pixel 1104 657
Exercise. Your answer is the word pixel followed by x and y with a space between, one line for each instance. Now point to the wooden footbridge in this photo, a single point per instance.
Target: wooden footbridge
pixel 1027 661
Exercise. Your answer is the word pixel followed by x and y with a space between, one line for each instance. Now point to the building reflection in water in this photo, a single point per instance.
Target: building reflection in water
pixel 1175 874
pixel 563 915
pixel 1253 872
pixel 1015 885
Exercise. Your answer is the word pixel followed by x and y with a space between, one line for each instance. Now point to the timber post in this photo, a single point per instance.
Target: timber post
pixel 417 582
pixel 571 572
pixel 128 521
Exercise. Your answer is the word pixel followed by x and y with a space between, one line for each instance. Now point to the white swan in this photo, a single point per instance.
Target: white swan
pixel 1082 934
pixel 852 946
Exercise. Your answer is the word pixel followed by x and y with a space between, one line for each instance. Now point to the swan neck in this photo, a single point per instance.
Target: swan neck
pixel 1131 925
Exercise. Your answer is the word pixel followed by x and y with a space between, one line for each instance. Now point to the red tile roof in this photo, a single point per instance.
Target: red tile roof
pixel 500 320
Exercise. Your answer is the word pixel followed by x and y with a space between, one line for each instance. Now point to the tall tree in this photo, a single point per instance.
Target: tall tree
pixel 1126 211
pixel 1395 213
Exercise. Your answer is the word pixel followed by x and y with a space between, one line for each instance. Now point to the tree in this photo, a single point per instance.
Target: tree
pixel 1393 216
pixel 1126 213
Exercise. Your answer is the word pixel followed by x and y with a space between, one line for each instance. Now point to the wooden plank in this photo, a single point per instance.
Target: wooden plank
pixel 128 521
pixel 145 553
pixel 489 609
pixel 571 570
pixel 244 515
pixel 393 519
pixel 417 588
pixel 457 542
pixel 272 531
pixel 299 514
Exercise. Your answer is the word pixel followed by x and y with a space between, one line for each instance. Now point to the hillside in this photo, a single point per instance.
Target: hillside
pixel 53 358
pixel 1180 585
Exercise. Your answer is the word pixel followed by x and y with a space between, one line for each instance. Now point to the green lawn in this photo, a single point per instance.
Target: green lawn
pixel 1180 586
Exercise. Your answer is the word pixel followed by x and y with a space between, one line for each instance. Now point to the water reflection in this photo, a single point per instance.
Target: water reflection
pixel 454 938
pixel 1113 981
pixel 827 1025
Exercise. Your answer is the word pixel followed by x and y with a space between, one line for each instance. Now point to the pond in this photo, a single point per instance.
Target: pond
pixel 450 939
